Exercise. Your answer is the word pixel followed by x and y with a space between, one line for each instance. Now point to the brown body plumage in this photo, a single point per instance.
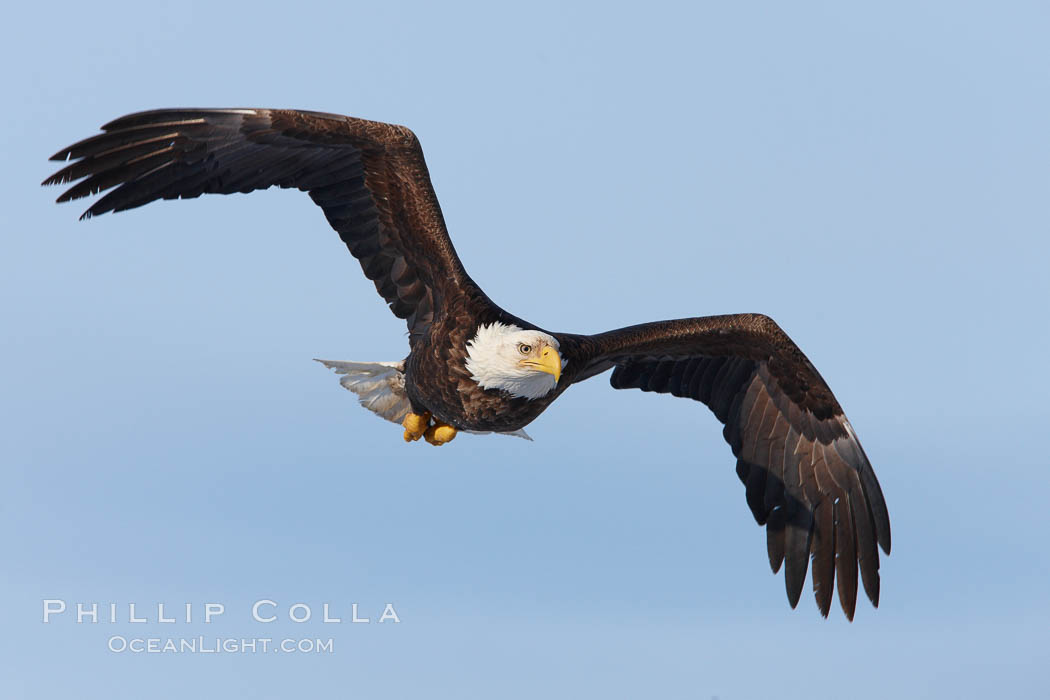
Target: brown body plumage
pixel 807 478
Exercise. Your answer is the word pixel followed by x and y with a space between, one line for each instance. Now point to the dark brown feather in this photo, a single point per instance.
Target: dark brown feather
pixel 369 178
pixel 805 475
pixel 823 555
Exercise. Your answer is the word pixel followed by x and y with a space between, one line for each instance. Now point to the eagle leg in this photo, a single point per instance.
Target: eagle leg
pixel 415 425
pixel 440 433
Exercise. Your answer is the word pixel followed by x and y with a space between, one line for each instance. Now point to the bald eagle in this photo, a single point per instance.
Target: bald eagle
pixel 474 367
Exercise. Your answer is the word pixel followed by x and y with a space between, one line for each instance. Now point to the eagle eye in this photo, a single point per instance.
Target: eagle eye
pixel 524 349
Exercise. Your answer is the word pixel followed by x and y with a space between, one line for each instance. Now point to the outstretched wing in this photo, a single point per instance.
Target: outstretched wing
pixel 807 478
pixel 369 178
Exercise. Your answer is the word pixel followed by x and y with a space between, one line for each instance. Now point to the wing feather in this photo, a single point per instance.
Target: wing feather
pixel 805 475
pixel 823 555
pixel 369 178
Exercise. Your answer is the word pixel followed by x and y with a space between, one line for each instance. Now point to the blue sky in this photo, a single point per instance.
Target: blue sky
pixel 874 179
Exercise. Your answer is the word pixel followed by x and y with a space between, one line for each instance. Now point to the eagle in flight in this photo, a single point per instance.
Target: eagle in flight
pixel 474 367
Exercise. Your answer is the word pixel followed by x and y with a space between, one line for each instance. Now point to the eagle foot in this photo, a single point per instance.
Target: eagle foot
pixel 415 425
pixel 440 433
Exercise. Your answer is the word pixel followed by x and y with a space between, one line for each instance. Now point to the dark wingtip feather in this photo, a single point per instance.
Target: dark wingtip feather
pixel 796 555
pixel 147 117
pixel 823 556
pixel 775 538
pixel 845 560
pixel 187 115
pixel 824 610
pixel 870 483
pixel 794 586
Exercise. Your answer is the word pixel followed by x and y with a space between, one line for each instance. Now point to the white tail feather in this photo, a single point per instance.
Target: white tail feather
pixel 380 387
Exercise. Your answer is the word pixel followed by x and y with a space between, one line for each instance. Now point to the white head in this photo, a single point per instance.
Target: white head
pixel 522 363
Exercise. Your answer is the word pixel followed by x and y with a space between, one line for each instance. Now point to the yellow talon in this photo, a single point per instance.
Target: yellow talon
pixel 440 433
pixel 415 425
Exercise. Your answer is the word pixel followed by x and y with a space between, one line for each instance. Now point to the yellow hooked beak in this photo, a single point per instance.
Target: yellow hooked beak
pixel 549 362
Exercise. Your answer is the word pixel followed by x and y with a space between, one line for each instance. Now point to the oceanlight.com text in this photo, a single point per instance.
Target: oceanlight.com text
pixel 120 644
